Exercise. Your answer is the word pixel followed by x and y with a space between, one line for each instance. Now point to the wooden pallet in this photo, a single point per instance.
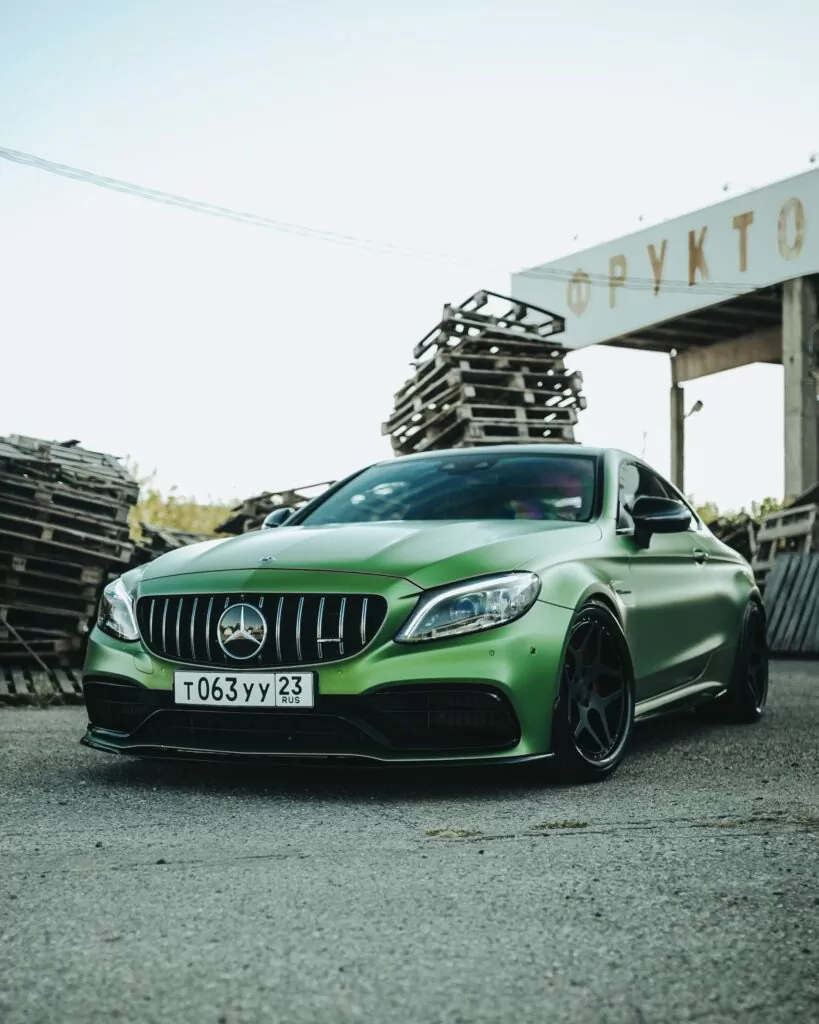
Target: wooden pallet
pixel 470 362
pixel 512 421
pixel 63 535
pixel 493 317
pixel 55 587
pixel 792 604
pixel 82 601
pixel 59 571
pixel 22 684
pixel 95 472
pixel 792 530
pixel 739 534
pixel 491 372
pixel 60 517
pixel 117 549
pixel 460 433
pixel 433 399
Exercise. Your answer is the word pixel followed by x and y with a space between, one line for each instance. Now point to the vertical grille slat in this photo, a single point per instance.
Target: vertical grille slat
pixel 279 611
pixel 299 614
pixel 208 627
pixel 193 628
pixel 342 609
pixel 165 624
pixel 319 625
pixel 297 628
pixel 181 601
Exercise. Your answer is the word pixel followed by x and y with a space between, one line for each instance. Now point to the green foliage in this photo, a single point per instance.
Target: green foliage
pixel 172 510
pixel 766 506
pixel 709 512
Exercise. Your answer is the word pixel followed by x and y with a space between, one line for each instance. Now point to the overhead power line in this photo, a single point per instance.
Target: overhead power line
pixel 338 238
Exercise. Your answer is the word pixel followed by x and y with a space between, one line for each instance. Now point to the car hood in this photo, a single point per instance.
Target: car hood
pixel 427 554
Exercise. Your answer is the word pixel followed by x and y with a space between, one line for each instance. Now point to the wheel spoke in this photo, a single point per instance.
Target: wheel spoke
pixel 584 725
pixel 602 703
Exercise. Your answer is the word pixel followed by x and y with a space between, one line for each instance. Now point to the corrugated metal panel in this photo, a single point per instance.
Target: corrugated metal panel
pixel 792 604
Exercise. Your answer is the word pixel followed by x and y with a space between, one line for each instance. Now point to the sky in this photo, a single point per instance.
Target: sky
pixel 229 359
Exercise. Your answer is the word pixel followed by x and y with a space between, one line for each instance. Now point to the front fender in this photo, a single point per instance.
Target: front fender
pixel 571 584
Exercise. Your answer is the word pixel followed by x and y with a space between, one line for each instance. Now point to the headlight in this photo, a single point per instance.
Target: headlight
pixel 471 607
pixel 116 615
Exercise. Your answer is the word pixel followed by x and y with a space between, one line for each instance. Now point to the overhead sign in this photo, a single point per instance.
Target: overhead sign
pixel 752 241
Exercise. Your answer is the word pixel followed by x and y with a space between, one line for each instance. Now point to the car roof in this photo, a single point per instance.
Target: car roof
pixel 510 449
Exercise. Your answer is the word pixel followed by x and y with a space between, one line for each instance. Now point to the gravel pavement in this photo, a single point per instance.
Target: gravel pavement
pixel 686 888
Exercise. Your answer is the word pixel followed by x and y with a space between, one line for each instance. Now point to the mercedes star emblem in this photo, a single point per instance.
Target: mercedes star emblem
pixel 241 631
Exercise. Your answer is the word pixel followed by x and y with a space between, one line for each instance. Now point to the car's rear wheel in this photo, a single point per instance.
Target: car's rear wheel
pixel 747 692
pixel 594 713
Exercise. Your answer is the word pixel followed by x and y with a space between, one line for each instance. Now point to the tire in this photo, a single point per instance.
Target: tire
pixel 747 693
pixel 594 713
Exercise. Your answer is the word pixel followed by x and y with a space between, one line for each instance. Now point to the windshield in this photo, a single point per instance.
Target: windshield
pixel 525 486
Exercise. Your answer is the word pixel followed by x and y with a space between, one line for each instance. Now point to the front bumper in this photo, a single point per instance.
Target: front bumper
pixel 488 697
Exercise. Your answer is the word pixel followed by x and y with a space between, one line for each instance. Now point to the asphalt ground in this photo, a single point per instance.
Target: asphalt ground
pixel 685 888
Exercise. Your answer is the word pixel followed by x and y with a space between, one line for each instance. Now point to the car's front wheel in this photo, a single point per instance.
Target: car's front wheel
pixel 594 713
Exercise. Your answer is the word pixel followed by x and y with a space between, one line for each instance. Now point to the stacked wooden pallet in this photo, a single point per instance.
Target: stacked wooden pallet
pixel 252 512
pixel 63 535
pixel 491 372
pixel 31 684
pixel 793 530
pixel 739 533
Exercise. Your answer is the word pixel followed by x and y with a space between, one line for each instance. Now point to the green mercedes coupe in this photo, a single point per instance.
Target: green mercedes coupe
pixel 498 604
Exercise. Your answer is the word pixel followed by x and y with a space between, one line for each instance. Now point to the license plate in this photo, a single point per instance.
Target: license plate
pixel 246 689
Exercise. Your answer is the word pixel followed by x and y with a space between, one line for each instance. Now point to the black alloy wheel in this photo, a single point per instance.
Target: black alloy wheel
pixel 594 714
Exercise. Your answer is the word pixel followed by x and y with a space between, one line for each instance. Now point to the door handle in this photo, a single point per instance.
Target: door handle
pixel 700 555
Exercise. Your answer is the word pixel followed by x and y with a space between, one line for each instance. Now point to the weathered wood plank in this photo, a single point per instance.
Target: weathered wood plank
pixel 19 680
pixel 65 682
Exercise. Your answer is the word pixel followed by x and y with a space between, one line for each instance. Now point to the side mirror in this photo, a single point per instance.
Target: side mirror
pixel 277 517
pixel 658 515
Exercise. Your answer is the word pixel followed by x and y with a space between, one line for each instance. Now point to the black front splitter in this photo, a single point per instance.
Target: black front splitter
pixel 176 753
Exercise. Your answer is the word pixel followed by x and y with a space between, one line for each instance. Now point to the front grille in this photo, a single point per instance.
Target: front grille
pixel 259 630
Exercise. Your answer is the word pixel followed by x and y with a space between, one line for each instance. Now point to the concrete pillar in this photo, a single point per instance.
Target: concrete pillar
pixel 677 430
pixel 800 315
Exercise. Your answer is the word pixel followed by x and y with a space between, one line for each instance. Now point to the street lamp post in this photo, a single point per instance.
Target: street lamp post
pixel 678 418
